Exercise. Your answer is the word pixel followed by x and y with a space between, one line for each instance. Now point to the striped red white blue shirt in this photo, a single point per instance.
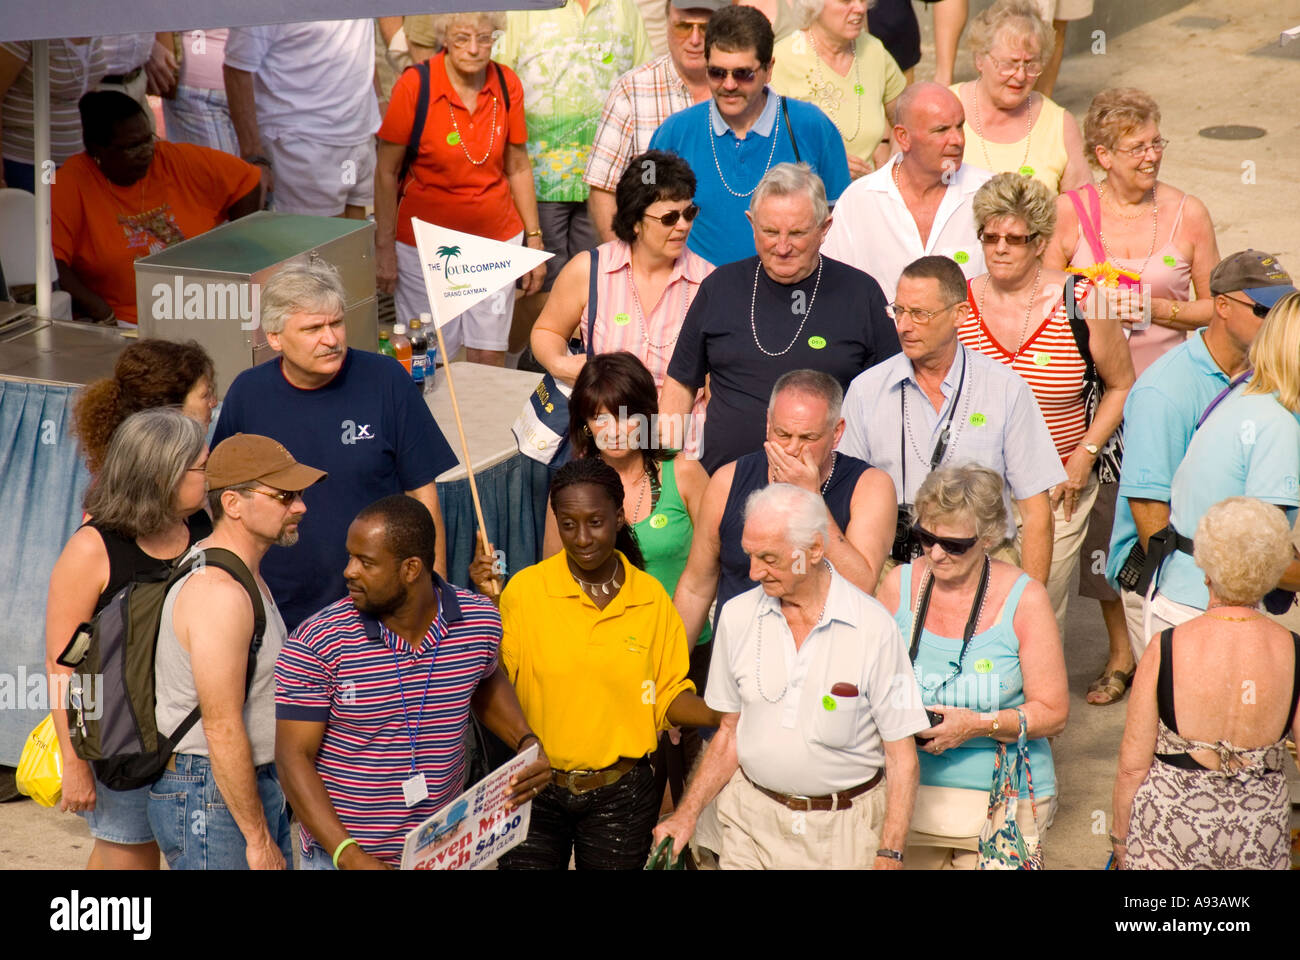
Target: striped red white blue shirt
pixel 341 668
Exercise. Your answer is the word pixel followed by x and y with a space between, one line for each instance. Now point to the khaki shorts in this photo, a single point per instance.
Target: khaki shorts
pixel 1065 9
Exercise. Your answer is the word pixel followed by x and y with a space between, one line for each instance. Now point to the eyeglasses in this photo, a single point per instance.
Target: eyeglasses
pixel 463 39
pixel 739 74
pixel 900 312
pixel 1012 239
pixel 670 218
pixel 1008 68
pixel 1258 309
pixel 685 28
pixel 284 497
pixel 953 546
pixel 1140 151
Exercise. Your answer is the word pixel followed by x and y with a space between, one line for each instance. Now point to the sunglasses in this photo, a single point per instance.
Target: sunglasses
pixel 284 497
pixel 739 74
pixel 1258 309
pixel 670 218
pixel 953 546
pixel 684 28
pixel 1012 239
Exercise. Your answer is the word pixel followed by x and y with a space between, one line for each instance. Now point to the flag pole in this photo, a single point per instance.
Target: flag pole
pixel 464 445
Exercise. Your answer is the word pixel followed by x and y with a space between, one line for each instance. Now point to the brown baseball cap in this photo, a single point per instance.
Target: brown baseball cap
pixel 246 457
pixel 1257 275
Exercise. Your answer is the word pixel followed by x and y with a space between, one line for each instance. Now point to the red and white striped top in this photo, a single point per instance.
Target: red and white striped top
pixel 1049 361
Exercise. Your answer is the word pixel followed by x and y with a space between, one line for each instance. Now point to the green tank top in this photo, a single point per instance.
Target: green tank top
pixel 665 536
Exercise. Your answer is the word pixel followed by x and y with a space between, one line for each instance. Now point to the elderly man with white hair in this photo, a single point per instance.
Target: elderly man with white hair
pixel 355 413
pixel 805 312
pixel 814 765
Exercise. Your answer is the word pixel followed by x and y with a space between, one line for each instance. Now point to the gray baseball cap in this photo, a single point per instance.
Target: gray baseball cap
pixel 1257 275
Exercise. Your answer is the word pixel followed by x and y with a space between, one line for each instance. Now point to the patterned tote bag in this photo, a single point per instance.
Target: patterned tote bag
pixel 1005 843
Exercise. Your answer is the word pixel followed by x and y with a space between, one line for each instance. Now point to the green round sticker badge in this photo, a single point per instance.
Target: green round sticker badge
pixel 983 666
pixel 607 58
pixel 1170 261
pixel 453 138
pixel 622 319
pixel 961 256
pixel 1026 171
pixel 978 419
pixel 859 89
pixel 659 521
pixel 828 702
pixel 1042 359
pixel 816 342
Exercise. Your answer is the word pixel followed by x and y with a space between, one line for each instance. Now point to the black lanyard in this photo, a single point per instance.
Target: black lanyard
pixel 941 446
pixel 923 607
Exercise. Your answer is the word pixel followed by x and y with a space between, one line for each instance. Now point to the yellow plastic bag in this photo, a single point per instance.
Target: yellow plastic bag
pixel 40 768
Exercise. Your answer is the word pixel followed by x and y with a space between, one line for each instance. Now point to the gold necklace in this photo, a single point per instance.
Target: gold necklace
pixel 1218 616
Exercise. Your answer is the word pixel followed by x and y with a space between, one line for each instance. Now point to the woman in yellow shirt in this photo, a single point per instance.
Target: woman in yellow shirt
pixel 598 658
pixel 1009 128
pixel 835 63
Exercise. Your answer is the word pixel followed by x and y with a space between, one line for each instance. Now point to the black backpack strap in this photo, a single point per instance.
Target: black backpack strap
pixel 1079 327
pixel 1165 681
pixel 417 125
pixel 505 91
pixel 225 560
pixel 785 114
pixel 592 296
pixel 1295 688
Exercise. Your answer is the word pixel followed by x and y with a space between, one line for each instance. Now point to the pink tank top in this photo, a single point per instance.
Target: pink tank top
pixel 1167 274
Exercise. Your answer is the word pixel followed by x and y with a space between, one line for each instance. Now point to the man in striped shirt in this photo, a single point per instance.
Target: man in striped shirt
pixel 373 695
pixel 644 98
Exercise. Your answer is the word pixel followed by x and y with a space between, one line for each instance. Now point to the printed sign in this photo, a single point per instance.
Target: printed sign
pixel 462 270
pixel 475 828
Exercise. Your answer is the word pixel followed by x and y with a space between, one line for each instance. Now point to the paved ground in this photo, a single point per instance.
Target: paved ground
pixel 1201 77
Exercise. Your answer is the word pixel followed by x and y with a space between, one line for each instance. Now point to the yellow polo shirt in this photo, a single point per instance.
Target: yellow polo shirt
pixel 594 684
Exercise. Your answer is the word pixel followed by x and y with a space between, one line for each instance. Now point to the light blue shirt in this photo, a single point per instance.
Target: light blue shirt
pixel 996 424
pixel 701 137
pixel 1160 416
pixel 1248 447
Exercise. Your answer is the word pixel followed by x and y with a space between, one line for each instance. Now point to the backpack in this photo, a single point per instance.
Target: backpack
pixel 122 743
pixel 422 111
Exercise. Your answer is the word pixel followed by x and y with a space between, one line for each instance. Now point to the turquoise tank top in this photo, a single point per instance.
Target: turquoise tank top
pixel 665 536
pixel 990 680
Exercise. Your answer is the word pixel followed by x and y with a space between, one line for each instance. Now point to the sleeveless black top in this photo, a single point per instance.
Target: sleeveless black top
pixel 127 562
pixel 751 475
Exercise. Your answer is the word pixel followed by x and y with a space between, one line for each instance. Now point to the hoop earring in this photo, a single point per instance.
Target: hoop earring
pixel 586 430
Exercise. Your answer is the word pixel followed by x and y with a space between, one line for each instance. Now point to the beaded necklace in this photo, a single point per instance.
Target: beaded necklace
pixel 753 301
pixel 708 121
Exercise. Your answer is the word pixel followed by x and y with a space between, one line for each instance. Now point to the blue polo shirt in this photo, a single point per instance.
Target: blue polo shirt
pixel 698 134
pixel 1248 447
pixel 1160 416
pixel 368 428
pixel 350 672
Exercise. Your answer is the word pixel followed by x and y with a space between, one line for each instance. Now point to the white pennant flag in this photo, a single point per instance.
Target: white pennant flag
pixel 461 270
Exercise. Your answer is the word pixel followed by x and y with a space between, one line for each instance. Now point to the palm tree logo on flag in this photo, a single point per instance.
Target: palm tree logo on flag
pixel 461 269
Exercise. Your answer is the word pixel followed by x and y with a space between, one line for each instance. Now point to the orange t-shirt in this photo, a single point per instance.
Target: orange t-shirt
pixel 100 229
pixel 444 186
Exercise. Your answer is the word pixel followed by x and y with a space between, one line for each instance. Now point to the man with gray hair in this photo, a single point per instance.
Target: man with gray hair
pixel 356 414
pixel 806 311
pixel 814 765
pixel 920 202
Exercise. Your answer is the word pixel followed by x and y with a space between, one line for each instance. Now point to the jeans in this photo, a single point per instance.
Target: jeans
pixel 316 858
pixel 605 829
pixel 193 825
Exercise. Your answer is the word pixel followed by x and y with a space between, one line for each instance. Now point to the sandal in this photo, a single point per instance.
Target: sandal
pixel 1112 685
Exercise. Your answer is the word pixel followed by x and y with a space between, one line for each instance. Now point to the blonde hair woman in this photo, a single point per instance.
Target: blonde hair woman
pixel 1202 780
pixel 1009 127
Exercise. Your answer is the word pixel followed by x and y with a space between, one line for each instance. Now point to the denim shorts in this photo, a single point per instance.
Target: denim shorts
pixel 316 858
pixel 193 825
pixel 120 816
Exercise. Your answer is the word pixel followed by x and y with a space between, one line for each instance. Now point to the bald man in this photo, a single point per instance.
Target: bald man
pixel 918 204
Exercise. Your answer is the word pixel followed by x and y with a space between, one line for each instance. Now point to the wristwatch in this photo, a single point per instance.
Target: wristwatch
pixel 890 854
pixel 1173 310
pixel 259 160
pixel 996 723
pixel 1092 448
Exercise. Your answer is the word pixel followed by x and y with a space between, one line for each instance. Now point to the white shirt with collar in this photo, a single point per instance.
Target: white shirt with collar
pixel 794 735
pixel 126 51
pixel 874 231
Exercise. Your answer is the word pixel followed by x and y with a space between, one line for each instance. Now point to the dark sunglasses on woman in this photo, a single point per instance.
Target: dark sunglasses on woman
pixel 953 546
pixel 672 216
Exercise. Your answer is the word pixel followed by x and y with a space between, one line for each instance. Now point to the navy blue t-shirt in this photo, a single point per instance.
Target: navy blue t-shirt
pixel 846 331
pixel 369 428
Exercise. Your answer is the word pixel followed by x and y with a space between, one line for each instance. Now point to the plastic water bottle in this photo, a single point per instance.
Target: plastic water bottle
pixel 419 354
pixel 431 358
pixel 401 346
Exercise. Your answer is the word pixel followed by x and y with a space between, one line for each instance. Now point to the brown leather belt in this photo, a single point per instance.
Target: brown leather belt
pixel 834 801
pixel 578 782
